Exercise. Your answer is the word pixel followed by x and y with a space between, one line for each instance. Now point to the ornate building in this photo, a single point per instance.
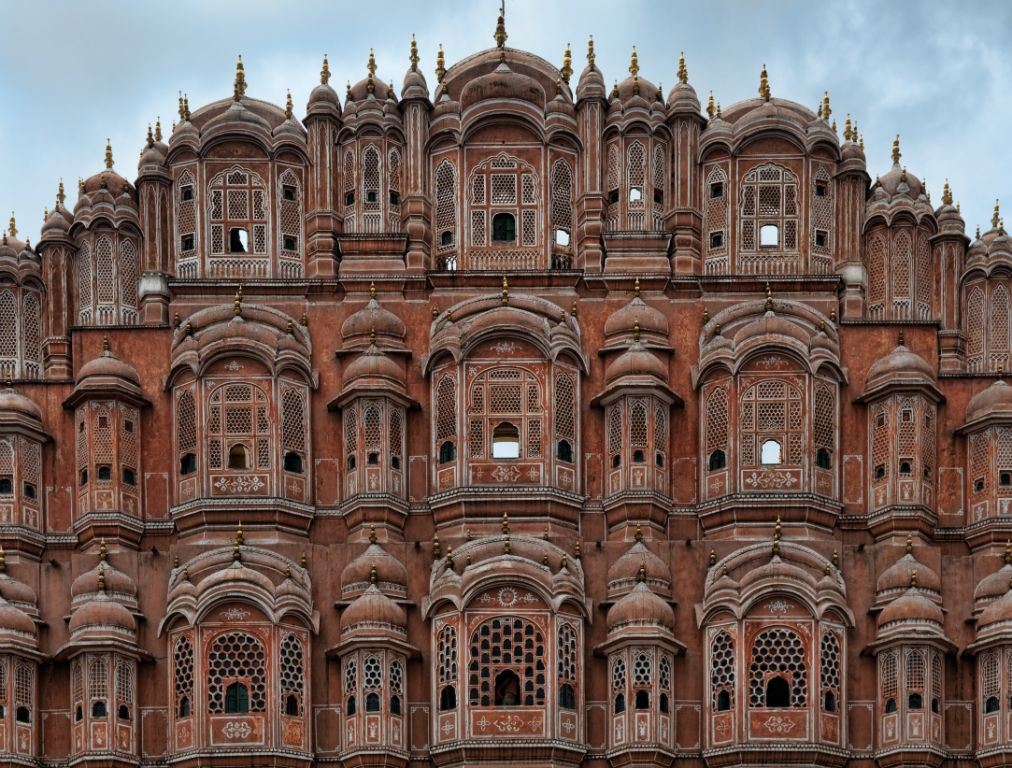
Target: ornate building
pixel 520 420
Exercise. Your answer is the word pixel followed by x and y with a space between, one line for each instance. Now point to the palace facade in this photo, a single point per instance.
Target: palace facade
pixel 520 421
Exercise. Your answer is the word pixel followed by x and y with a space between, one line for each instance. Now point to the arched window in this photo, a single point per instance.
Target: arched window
pixel 447 669
pixel 446 418
pixel 916 679
pixel 186 223
pixel 768 216
pixel 236 674
pixel 771 453
pixel 778 692
pixel 372 683
pixel 888 681
pixel 237 218
pixel 99 678
pixel 446 208
pixel 236 699
pixel 290 223
pixel 510 653
pixel 239 428
pixel 504 228
pixel 396 686
pixel 504 200
pixel 562 208
pixel 82 267
pixel 722 667
pixel 292 668
pixel 772 424
pixel 350 685
pixel 372 218
pixel 505 441
pixel 717 461
pixel 24 691
pixel 507 405
pixel 778 654
pixel 829 670
pixel 567 666
pixel 642 679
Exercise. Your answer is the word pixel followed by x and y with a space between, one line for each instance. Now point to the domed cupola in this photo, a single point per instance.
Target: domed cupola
pixel 653 325
pixel 154 153
pixel 106 375
pixel 896 579
pixel 15 592
pixel 900 369
pixel 642 609
pixel 391 575
pixel 992 403
pixel 682 98
pixel 591 83
pixel 104 577
pixel 369 89
pixel 103 607
pixel 898 190
pixel 106 191
pixel 414 86
pixel 911 617
pixel 291 129
pixel 636 365
pixel 624 573
pixel 994 585
pixel 323 99
pixel 373 613
pixel 57 224
pixel 948 215
pixel 360 328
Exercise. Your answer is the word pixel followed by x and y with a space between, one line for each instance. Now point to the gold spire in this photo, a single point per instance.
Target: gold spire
pixel 683 73
pixel 641 574
pixel 634 63
pixel 913 579
pixel 239 89
pixel 638 536
pixel 995 217
pixel 371 65
pixel 372 290
pixel 158 128
pixel 101 579
pixel 239 540
pixel 946 194
pixel 12 227
pixel 505 291
pixel 764 85
pixel 567 64
pixel 373 575
pixel 500 27
pixel 826 111
pixel 505 524
pixel 440 64
pixel 372 534
pixel 711 110
pixel 574 310
pixel 590 51
pixel 108 154
pixel 910 544
pixel 769 298
pixel 186 106
pixel 636 288
pixel 151 136
pixel 288 106
pixel 437 550
pixel 347 90
pixel 449 557
pixel 325 71
pixel 577 550
pixel 848 133
pixel 777 534
pixel 636 331
pixel 713 557
pixel 182 112
pixel 60 195
pixel 978 232
pixel 237 302
pixel 105 345
pixel 896 150
pixel 413 58
pixel 102 554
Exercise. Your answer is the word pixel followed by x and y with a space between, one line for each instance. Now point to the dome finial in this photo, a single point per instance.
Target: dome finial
pixel 237 546
pixel 289 111
pixel 12 227
pixel 239 90
pixel 713 557
pixel 826 111
pixel 413 57
pixel 150 136
pixel 449 558
pixel 769 298
pixel 372 290
pixel 590 51
pixel 60 195
pixel 764 85
pixel 372 534
pixel 910 544
pixel 101 579
pixel 373 577
pixel 946 194
pixel 505 524
pixel 3 560
pixel 638 536
pixel 848 131
pixel 437 551
pixel 711 109
pixel 1008 552
pixel 913 579
pixel 158 128
pixel 567 64
pixel 237 302
pixel 641 574
pixel 371 65
pixel 106 348
pixel 777 535
pixel 636 288
pixel 500 28
pixel 325 71
pixel 636 331
pixel 634 63
pixel 182 112
pixel 683 73
pixel 995 217
pixel 505 291
pixel 108 154
pixel 896 150
pixel 440 64
pixel 186 106
pixel 102 553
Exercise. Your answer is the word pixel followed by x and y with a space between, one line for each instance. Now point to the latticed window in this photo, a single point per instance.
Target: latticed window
pixel 290 222
pixel 293 676
pixel 772 424
pixel 186 432
pixel 505 415
pixel 396 685
pixel 722 676
pixel 446 418
pixel 82 269
pixel 664 683
pixel 567 666
pixel 916 682
pixel 446 212
pixel 975 307
pixel 186 220
pixel 989 664
pixel 77 688
pixel 124 690
pixel 899 269
pixel 129 280
pixel 876 265
pixel 768 212
pixel 182 668
pixel 24 691
pixel 507 664
pixel 372 217
pixel 505 212
pixel 31 334
pixel 565 416
pixel 350 685
pixel 715 220
pixel 394 189
pixel 642 678
pixel 236 674
pixel 618 680
pixel 778 673
pixel 20 334
pixel 824 430
pixel 447 668
pixel 372 683
pixel 829 671
pixel 615 435
pixel 237 214
pixel 562 205
pixel 823 216
pixel 99 677
pixel 716 430
pixel 238 428
pixel 293 429
pixel 889 681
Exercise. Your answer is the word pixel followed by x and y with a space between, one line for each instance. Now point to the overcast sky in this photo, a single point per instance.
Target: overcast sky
pixel 73 73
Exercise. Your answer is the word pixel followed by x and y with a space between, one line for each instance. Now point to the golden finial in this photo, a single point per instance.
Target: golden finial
pixel 713 557
pixel 896 150
pixel 435 312
pixel 634 63
pixel 769 298
pixel 467 533
pixel 102 554
pixel 995 217
pixel 590 51
pixel 60 195
pixel 1008 552
pixel 564 562
pixel 105 345
pixel 901 339
pixel 325 71
pixel 237 303
pixel 449 557
pixel 641 574
pixel 833 126
pixel 347 90
pixel 302 560
pixel 683 73
pixel 706 316
pixel 45 213
pixel 573 310
pixel 3 560
pixel 614 91
pixel 413 57
pixel 903 175
pixel 764 85
pixel 946 194
pixel 847 129
pixel 544 560
pixel 182 112
pixel 913 579
pixel 826 111
pixel 12 227
pixel 636 288
pixel 711 110
pixel 240 80
pixel 978 232
pixel 777 534
pixel 505 524
pixel 289 111
pixel 544 534
pixel 80 186
pixel 290 328
pixel 304 320
pixel 372 335
pixel 288 571
pixel 578 550
pixel 718 109
pixel 836 559
pixel 638 536
pixel 437 550
pixel 636 331
pixel 371 65
pixel 151 136
pixel 108 154
pixel 372 534
pixel 506 545
pixel 505 291
pixel 372 290
pixel 910 543
pixel 186 106
pixel 440 64
pixel 158 128
pixel 101 579
pixel 373 576
pixel 189 329
pixel 500 27
pixel 567 64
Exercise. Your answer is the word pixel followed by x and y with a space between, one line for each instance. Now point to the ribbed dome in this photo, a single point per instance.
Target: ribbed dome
pixel 102 612
pixel 116 582
pixel 14 591
pixel 13 619
pixel 995 400
pixel 503 83
pixel 994 585
pixel 374 609
pixel 12 401
pixel 373 364
pixel 388 569
pixel 641 607
pixel 911 607
pixel 898 181
pixel 998 611
pixel 898 576
pixel 107 365
pixel 624 571
pixel 899 365
pixel 373 318
pixel 591 83
pixel 323 99
pixel 636 361
pixel 650 320
pixel 683 98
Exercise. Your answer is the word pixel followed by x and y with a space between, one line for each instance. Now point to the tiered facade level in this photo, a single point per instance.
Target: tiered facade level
pixel 566 426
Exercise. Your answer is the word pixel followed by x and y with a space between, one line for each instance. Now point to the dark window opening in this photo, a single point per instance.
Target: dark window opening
pixel 372 702
pixel 880 471
pixel 642 700
pixel 505 441
pixel 3 711
pixel 372 458
pixel 446 238
pixel 890 705
pixel 829 702
pixel 562 237
pixel 186 193
pixel 821 238
pixel 123 712
pixel 778 693
pixel 293 462
pixel 6 486
pixel 659 459
pixel 98 709
pixel 820 190
pixel 23 715
pixel 238 240
pixel 613 197
pixel 880 420
pixel 823 459
pixel 619 704
pixel 723 701
pixel 395 462
pixel 78 714
pixel 351 462
pixel 991 705
pixel 236 699
pixel 395 705
pixel 447 452
pixel 372 196
pixel 905 467
pixel 978 485
pixel 292 705
pixel 238 457
pixel 129 476
pixel 718 460
pixel 915 701
pixel 935 706
pixel 616 461
pixel 188 464
pixel 638 456
pixel 1005 479
pixel 507 689
pixel 447 698
pixel 567 699
pixel 84 477
pixel 504 228
pixel 565 451
pixel 290 243
pixel 716 239
pixel 184 707
pixel 717 189
pixel 395 198
pixel 927 472
pixel 128 426
pixel 658 197
pixel 29 490
pixel 188 243
pixel 104 472
pixel 103 422
pixel 665 705
pixel 349 198
pixel 906 415
pixel 288 191
pixel 351 706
